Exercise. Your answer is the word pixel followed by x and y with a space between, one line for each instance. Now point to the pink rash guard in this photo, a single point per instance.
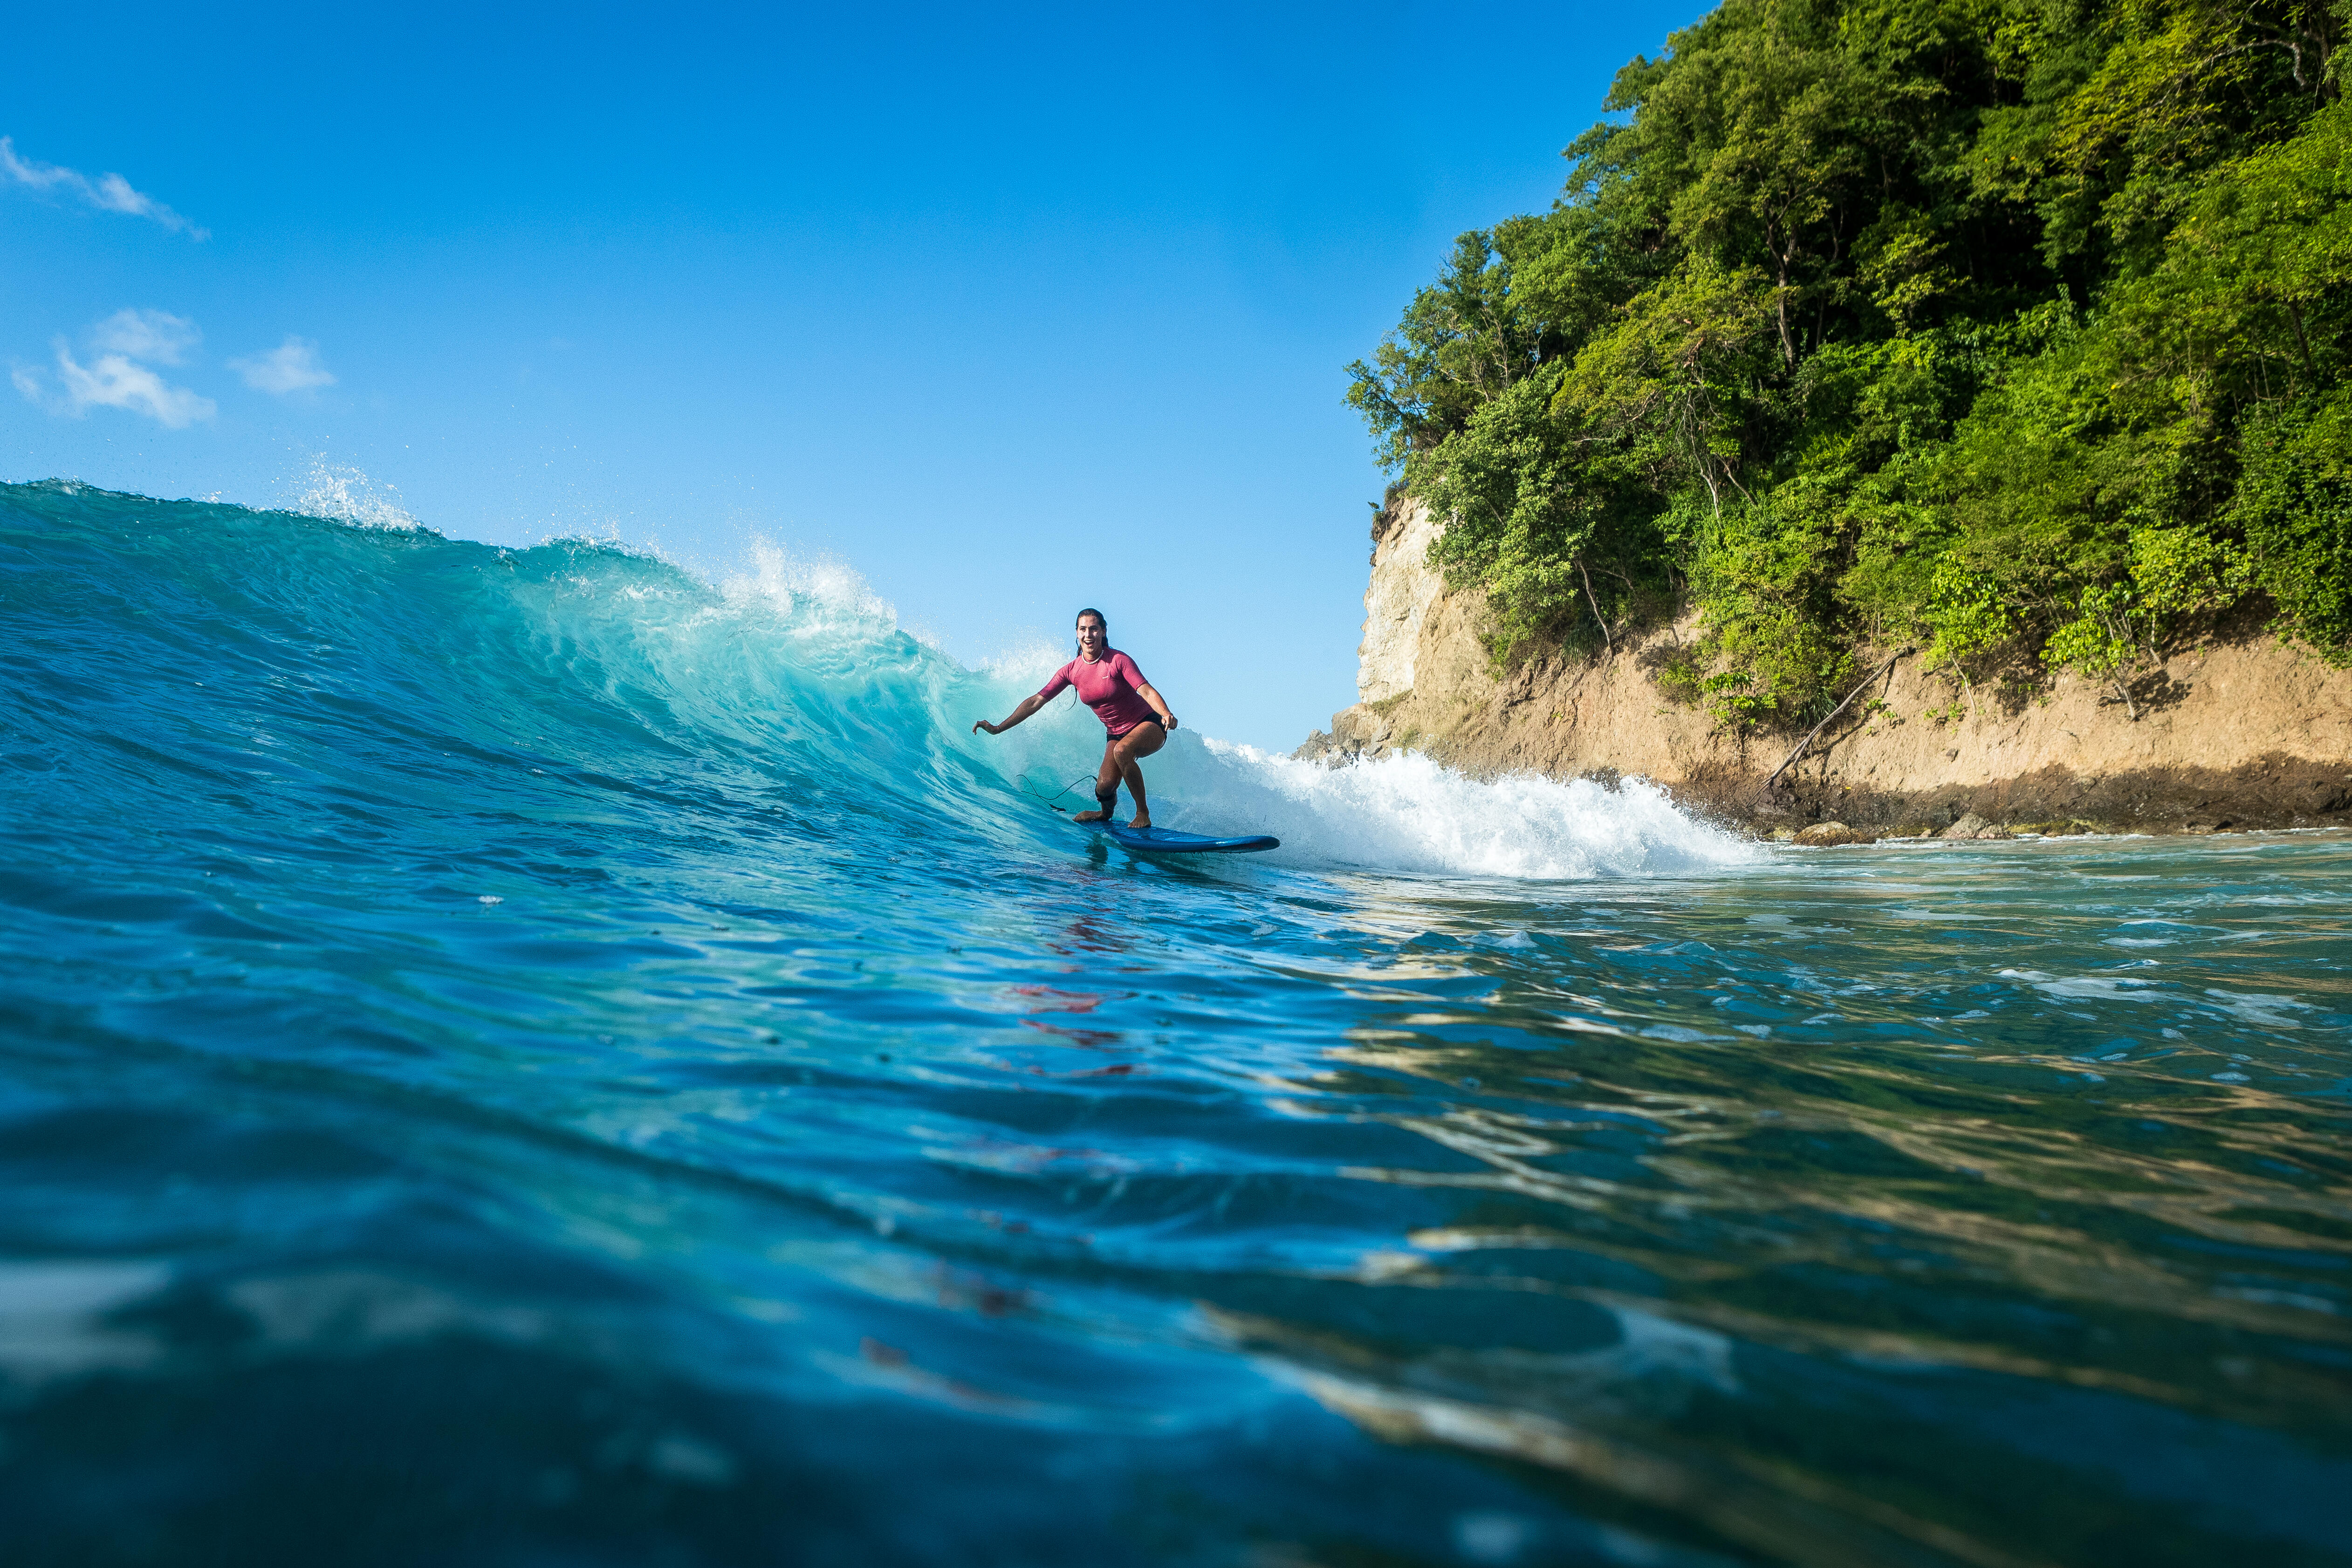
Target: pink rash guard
pixel 1110 685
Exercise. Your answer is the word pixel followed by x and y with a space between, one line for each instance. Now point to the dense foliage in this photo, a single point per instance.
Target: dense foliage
pixel 2013 329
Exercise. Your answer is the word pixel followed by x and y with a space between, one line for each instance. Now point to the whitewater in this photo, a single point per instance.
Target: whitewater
pixel 533 1056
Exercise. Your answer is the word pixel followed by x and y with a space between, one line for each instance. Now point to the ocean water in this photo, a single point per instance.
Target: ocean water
pixel 530 1057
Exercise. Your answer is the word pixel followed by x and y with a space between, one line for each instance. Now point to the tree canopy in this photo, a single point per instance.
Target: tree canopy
pixel 2015 330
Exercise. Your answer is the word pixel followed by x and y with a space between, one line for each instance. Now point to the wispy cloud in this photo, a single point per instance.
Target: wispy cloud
pixel 293 366
pixel 156 335
pixel 108 193
pixel 116 379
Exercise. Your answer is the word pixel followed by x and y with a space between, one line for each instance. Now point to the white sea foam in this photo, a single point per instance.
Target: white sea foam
pixel 1407 813
pixel 1031 658
pixel 819 589
pixel 343 494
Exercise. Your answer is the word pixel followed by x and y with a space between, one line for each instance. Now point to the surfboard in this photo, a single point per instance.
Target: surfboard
pixel 1168 842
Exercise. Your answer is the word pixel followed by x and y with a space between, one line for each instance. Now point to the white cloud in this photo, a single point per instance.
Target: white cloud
pixel 115 378
pixel 293 366
pixel 156 335
pixel 114 382
pixel 108 193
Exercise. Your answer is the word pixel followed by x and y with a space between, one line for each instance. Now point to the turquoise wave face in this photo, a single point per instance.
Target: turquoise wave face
pixel 531 1055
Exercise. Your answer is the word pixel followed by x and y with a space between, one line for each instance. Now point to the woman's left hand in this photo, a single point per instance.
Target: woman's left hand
pixel 1169 723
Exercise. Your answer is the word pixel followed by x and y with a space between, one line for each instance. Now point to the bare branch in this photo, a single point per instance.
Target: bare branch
pixel 1835 712
pixel 1606 641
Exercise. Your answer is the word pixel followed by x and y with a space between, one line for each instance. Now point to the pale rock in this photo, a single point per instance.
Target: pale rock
pixel 1395 605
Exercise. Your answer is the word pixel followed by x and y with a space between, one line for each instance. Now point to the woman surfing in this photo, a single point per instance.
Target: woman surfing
pixel 1135 716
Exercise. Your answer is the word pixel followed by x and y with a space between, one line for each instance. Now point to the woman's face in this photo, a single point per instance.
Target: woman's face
pixel 1091 635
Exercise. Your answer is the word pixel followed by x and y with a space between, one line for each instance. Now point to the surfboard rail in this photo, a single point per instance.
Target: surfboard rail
pixel 1168 842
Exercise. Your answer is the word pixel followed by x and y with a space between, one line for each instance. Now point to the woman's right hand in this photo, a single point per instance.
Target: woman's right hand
pixel 991 728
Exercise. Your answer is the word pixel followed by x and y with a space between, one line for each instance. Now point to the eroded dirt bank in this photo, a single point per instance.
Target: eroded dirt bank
pixel 2241 732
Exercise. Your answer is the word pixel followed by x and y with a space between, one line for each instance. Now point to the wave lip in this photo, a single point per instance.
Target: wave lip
pixel 1409 814
pixel 810 585
pixel 339 493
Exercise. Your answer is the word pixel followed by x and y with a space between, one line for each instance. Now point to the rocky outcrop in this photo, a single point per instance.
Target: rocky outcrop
pixel 1397 600
pixel 2240 732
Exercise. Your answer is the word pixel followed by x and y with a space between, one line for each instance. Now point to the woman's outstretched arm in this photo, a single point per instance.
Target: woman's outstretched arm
pixel 1028 706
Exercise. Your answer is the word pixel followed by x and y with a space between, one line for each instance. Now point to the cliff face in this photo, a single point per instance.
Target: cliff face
pixel 1397 603
pixel 2244 732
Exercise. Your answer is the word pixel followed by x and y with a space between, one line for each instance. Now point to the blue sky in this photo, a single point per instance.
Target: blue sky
pixel 1012 310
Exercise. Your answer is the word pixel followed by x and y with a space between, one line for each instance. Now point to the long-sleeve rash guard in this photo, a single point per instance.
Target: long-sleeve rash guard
pixel 1111 685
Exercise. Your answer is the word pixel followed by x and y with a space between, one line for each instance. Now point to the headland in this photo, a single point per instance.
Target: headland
pixel 2241 730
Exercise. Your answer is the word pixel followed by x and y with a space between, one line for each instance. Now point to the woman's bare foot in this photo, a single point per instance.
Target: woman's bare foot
pixel 1091 817
pixel 1142 821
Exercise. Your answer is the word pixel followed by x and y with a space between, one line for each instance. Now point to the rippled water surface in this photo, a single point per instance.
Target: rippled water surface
pixel 527 1058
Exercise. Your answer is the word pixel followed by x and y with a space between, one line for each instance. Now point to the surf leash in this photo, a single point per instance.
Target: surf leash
pixel 1023 779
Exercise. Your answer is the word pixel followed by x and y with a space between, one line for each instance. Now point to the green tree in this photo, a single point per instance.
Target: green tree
pixel 2016 327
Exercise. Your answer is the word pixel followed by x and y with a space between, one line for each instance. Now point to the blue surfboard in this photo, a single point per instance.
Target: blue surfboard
pixel 1168 842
